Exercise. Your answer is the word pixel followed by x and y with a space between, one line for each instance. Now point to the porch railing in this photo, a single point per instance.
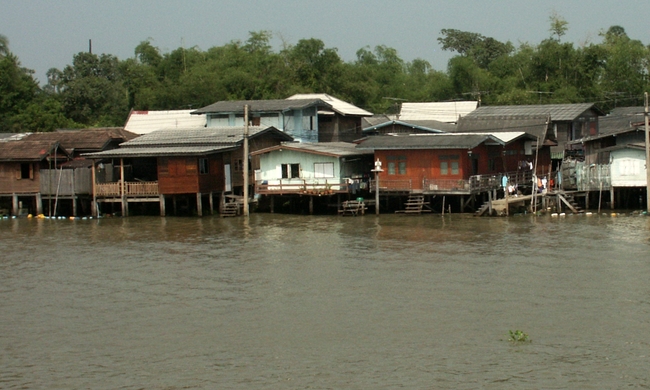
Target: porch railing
pixel 392 185
pixel 308 187
pixel 131 188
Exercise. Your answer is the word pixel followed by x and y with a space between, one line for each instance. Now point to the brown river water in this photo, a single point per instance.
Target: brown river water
pixel 325 302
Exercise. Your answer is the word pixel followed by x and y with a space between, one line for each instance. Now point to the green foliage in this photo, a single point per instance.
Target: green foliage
pixel 518 336
pixel 101 89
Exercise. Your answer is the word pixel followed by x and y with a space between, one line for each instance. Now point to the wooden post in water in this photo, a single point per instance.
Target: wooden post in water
pixel 490 202
pixel 93 206
pixel 647 151
pixel 245 161
pixel 443 205
pixel 161 199
pixel 600 196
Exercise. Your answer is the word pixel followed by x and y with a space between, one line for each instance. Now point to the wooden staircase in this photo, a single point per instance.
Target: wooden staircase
pixel 415 205
pixel 353 208
pixel 571 203
pixel 230 209
pixel 482 210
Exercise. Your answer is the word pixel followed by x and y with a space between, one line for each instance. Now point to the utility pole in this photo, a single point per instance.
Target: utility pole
pixel 245 160
pixel 647 153
pixel 377 170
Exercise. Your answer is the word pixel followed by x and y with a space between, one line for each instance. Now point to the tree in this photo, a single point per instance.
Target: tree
pixel 91 90
pixel 625 63
pixel 17 90
pixel 483 50
pixel 559 26
pixel 4 46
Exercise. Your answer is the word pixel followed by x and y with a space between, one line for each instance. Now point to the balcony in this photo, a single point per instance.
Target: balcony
pixel 131 189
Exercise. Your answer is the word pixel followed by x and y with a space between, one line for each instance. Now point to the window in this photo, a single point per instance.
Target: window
pixel 323 169
pixel 402 168
pixel 398 162
pixel 204 167
pixel 448 162
pixel 391 168
pixel 454 168
pixel 25 171
pixel 290 171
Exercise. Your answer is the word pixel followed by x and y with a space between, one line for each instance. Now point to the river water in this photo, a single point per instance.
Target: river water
pixel 325 302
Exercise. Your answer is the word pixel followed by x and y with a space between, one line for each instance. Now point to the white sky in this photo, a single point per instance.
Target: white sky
pixel 47 33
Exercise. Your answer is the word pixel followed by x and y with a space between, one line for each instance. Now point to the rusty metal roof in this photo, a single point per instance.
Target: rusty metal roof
pixel 23 150
pixel 85 140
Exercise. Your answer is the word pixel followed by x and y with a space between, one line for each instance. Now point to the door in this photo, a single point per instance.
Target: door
pixel 228 178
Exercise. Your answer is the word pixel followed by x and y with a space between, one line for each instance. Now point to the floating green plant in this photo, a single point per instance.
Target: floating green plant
pixel 517 336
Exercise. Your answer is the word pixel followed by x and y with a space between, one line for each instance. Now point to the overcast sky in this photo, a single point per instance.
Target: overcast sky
pixel 47 33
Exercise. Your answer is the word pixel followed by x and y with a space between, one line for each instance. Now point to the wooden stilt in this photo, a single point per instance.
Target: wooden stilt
pixel 490 202
pixel 161 199
pixel 14 204
pixel 199 204
pixel 211 199
pixel 39 204
pixel 311 205
pixel 272 203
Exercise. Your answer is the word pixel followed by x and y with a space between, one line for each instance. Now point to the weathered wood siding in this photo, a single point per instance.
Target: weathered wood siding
pixel 11 181
pixel 338 128
pixel 423 164
pixel 66 182
pixel 180 175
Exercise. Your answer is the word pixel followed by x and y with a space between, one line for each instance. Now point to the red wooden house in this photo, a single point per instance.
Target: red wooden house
pixel 451 163
pixel 185 165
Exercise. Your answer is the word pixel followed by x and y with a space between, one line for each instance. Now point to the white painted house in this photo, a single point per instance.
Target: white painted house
pixel 311 168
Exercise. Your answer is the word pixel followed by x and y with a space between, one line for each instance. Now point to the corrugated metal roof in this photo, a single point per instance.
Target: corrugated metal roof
pixel 448 112
pixel 534 125
pixel 196 141
pixel 335 149
pixel 637 110
pixel 160 151
pixel 557 112
pixel 424 125
pixel 201 136
pixel 144 122
pixel 423 141
pixel 338 105
pixel 276 105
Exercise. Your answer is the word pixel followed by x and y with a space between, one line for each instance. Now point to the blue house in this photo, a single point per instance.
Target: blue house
pixel 306 118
